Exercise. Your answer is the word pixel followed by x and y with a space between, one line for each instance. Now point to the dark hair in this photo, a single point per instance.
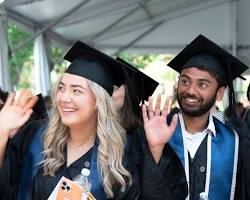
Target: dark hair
pixel 248 91
pixel 47 98
pixel 239 104
pixel 3 95
pixel 231 95
pixel 130 118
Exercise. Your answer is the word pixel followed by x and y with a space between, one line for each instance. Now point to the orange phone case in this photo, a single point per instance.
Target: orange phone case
pixel 69 190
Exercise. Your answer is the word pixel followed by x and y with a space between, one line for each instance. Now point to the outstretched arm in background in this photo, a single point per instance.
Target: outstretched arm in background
pixel 13 116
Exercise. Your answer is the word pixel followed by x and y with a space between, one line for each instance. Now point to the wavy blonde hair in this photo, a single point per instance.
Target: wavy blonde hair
pixel 112 139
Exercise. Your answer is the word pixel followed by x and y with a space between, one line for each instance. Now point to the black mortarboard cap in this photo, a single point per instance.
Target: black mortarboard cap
pixel 205 54
pixel 94 65
pixel 143 84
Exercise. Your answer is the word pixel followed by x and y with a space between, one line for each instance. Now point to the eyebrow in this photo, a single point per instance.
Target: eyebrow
pixel 202 79
pixel 72 85
pixel 185 76
pixel 205 80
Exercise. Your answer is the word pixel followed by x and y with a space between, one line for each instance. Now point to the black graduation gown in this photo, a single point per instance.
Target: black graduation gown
pixel 245 130
pixel 197 171
pixel 242 191
pixel 163 181
pixel 11 170
pixel 44 185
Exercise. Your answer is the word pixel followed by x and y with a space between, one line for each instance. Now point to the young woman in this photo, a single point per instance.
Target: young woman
pixel 84 132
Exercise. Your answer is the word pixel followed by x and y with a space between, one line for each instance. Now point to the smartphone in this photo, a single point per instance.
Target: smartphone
pixel 69 190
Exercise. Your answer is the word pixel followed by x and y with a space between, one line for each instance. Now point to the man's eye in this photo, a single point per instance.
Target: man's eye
pixel 203 85
pixel 184 82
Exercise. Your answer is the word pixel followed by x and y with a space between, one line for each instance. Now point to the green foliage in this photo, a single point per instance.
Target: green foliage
pixel 170 76
pixel 139 61
pixel 59 65
pixel 20 60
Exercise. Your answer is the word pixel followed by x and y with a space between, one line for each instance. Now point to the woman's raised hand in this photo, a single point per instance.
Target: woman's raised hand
pixel 16 112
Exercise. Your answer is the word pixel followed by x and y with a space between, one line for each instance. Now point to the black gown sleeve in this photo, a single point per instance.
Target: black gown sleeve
pixel 12 167
pixel 132 191
pixel 11 170
pixel 242 191
pixel 166 180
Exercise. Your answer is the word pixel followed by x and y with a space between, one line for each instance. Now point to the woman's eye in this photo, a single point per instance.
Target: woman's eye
pixel 76 91
pixel 60 88
pixel 115 88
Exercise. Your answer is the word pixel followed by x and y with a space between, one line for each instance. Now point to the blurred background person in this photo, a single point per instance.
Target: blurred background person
pixel 48 104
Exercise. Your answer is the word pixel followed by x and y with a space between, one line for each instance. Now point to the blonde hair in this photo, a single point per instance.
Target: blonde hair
pixel 112 139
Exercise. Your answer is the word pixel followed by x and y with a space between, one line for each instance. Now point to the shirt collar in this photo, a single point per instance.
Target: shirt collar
pixel 210 126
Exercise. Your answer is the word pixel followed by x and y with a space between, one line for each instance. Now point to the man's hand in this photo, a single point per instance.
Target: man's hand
pixel 157 131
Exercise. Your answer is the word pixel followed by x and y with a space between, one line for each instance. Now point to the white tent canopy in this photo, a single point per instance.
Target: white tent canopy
pixel 138 26
pixel 42 75
pixel 4 67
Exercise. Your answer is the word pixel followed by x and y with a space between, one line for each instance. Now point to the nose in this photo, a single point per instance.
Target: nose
pixel 65 96
pixel 191 89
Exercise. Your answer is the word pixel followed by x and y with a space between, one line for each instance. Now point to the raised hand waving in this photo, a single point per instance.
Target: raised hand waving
pixel 157 131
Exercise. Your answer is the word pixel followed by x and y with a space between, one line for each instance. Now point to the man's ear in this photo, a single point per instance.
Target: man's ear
pixel 220 93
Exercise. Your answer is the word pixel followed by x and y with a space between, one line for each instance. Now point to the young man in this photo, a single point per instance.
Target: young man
pixel 206 147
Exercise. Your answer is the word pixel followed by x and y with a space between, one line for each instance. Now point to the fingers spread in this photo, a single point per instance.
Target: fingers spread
pixel 25 117
pixel 158 105
pixel 10 99
pixel 150 108
pixel 144 113
pixel 173 122
pixel 30 102
pixel 165 108
pixel 23 98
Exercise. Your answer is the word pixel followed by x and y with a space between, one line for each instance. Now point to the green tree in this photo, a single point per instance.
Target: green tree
pixel 139 61
pixel 58 64
pixel 20 60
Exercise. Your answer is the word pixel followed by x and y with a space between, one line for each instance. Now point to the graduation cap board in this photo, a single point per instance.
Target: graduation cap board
pixel 94 65
pixel 205 54
pixel 144 85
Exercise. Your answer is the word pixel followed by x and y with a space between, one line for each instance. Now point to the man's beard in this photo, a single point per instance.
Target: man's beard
pixel 204 108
